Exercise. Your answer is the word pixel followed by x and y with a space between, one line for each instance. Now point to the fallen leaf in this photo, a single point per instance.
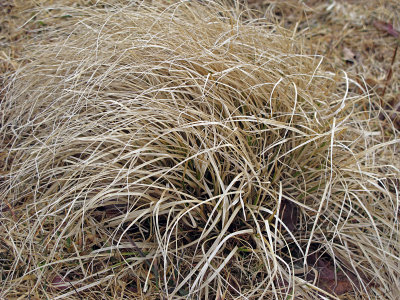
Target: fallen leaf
pixel 113 209
pixel 387 27
pixel 289 214
pixel 60 283
pixel 330 279
pixel 394 107
pixel 371 82
pixel 348 55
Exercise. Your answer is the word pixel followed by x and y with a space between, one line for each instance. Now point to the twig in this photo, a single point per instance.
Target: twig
pixel 389 73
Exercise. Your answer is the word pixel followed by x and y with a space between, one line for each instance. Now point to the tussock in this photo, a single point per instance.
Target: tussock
pixel 191 151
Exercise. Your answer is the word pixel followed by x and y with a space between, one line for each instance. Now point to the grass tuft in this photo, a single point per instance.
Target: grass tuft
pixel 191 151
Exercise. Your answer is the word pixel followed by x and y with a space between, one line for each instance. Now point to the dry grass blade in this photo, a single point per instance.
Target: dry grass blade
pixel 191 151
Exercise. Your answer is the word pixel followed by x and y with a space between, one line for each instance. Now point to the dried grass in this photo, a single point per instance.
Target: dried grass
pixel 344 32
pixel 154 152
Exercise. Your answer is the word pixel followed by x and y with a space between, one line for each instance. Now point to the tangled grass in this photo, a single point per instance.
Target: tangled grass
pixel 191 151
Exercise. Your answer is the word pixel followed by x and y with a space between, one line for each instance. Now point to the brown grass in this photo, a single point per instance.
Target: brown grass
pixel 192 151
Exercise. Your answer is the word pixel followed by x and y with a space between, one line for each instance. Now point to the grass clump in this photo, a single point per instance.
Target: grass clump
pixel 191 151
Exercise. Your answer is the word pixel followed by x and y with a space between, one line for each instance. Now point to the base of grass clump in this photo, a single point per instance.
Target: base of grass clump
pixel 191 152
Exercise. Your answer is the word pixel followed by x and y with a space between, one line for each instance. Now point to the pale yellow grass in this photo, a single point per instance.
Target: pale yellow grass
pixel 148 150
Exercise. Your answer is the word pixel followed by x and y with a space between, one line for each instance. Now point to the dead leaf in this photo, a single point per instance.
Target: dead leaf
pixel 289 214
pixel 330 279
pixel 60 283
pixel 387 27
pixel 371 82
pixel 349 55
pixel 394 114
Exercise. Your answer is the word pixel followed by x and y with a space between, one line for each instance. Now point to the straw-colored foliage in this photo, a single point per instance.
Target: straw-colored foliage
pixel 191 151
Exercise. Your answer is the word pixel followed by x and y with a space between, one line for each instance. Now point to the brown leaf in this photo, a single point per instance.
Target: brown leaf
pixel 387 27
pixel 330 279
pixel 289 214
pixel 60 283
pixel 371 81
pixel 394 107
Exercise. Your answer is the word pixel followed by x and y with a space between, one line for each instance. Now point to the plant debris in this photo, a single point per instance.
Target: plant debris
pixel 387 27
